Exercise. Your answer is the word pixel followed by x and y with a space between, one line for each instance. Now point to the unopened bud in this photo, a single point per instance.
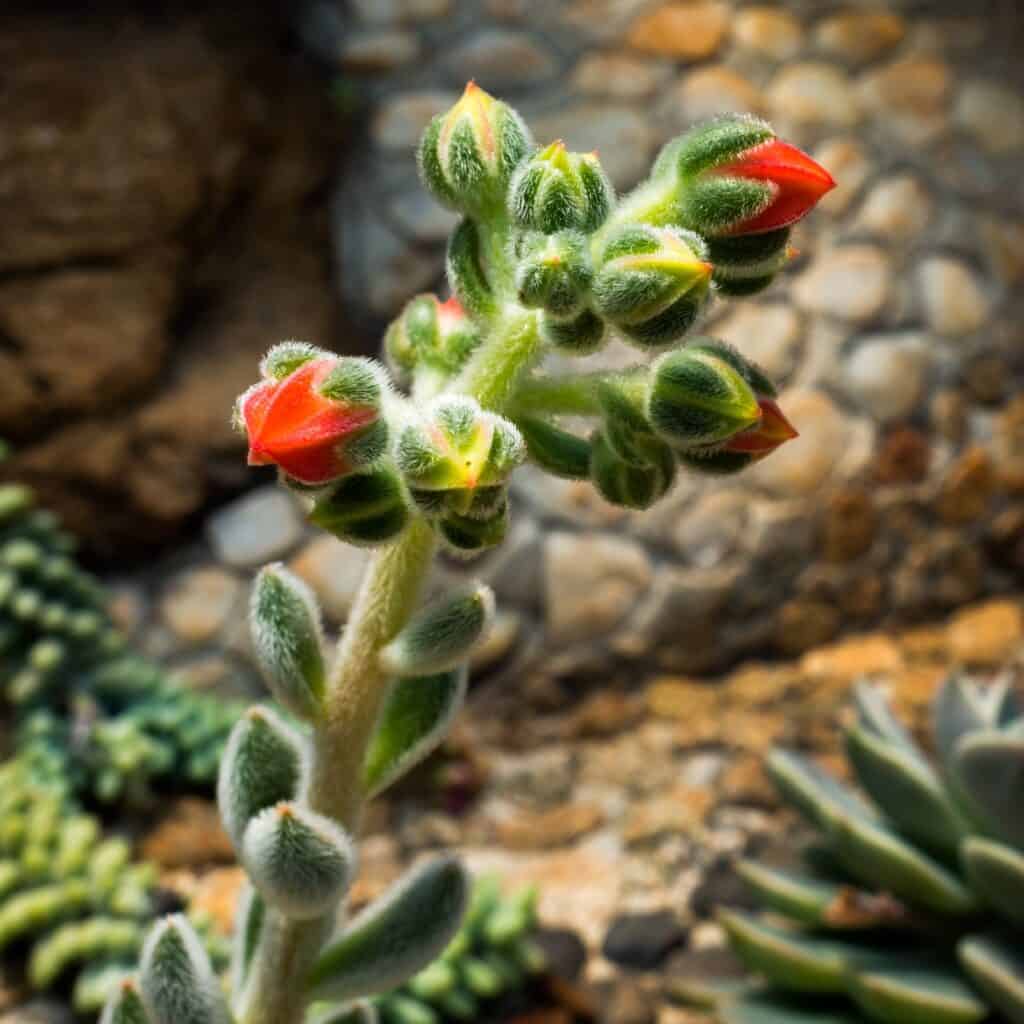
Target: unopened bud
pixel 554 190
pixel 430 333
pixel 652 282
pixel 469 535
pixel 578 335
pixel 631 484
pixel 467 155
pixel 364 509
pixel 464 267
pixel 745 264
pixel 553 272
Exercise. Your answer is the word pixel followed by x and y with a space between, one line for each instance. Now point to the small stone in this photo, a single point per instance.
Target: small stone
pixel 993 114
pixel 402 10
pixel 126 606
pixel 216 894
pixel 686 31
pixel 591 581
pixel 628 1003
pixel 682 698
pixel 643 941
pixel 198 602
pixel 968 487
pixel 955 302
pixel 400 120
pixel 714 529
pixel 909 97
pixel 850 282
pixel 189 834
pixel 721 887
pixel 1004 246
pixel 847 161
pixel 256 529
pixel 558 826
pixel 770 32
pixel 371 52
pixel 1008 444
pixel 903 457
pixel 799 468
pixel 987 635
pixel 813 93
pixel 744 782
pixel 850 526
pixel 897 209
pixel 886 373
pixel 422 218
pixel 805 624
pixel 394 269
pixel 860 35
pixel 767 333
pixel 500 58
pixel 334 570
pixel 622 76
pixel 851 659
pixel 678 812
pixel 564 954
pixel 605 713
pixel 39 1011
pixel 709 91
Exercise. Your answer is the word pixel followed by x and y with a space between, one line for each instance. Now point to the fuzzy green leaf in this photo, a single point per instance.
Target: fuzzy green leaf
pixel 996 874
pixel 996 966
pixel 125 1005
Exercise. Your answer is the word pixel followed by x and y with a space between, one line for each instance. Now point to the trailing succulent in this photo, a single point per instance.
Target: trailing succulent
pixel 73 902
pixel 545 260
pixel 911 907
pixel 88 710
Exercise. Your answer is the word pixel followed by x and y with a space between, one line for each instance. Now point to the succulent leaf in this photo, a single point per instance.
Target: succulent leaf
pixel 770 1008
pixel 997 968
pixel 915 995
pixel 996 873
pixel 125 1005
pixel 990 765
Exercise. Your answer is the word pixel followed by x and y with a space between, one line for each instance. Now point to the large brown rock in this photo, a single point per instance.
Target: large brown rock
pixel 162 191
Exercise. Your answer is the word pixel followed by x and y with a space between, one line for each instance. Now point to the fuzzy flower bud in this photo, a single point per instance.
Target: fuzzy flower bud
pixel 554 190
pixel 576 336
pixel 467 155
pixel 364 509
pixel 432 334
pixel 737 178
pixel 652 282
pixel 745 264
pixel 470 534
pixel 315 416
pixel 464 268
pixel 631 484
pixel 553 273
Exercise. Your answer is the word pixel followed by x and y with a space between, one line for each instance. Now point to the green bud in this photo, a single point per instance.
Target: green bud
pixel 710 144
pixel 715 462
pixel 555 450
pixel 300 862
pixel 630 484
pixel 578 336
pixel 698 397
pixel 441 636
pixel 553 272
pixel 745 264
pixel 430 333
pixel 285 358
pixel 365 509
pixel 249 917
pixel 468 154
pixel 288 640
pixel 554 190
pixel 125 1005
pixel 626 427
pixel 467 535
pixel 651 283
pixel 465 270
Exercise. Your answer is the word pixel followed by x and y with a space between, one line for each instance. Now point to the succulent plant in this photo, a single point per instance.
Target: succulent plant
pixel 87 708
pixel 73 901
pixel 911 906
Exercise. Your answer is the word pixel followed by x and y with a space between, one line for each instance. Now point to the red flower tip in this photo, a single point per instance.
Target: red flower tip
pixel 797 184
pixel 772 430
pixel 291 425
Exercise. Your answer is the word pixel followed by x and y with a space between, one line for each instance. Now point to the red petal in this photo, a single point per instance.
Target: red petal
pixel 772 430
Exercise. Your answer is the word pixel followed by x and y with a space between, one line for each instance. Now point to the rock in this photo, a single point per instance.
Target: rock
pixel 992 113
pixel 558 826
pixel 987 635
pixel 217 894
pixel 850 525
pixel 1004 246
pixel 499 58
pixel 708 91
pixel 564 953
pixel 800 467
pixel 334 570
pixel 847 161
pixel 803 624
pixel 622 76
pixel 256 529
pixel 676 813
pixel 955 302
pixel 399 122
pixel 770 32
pixel 643 941
pixel 198 602
pixel 605 713
pixel 896 208
pixel 403 10
pixel 968 487
pixel 904 456
pixel 39 1011
pixel 629 1003
pixel 886 373
pixel 372 52
pixel 686 31
pixel 422 218
pixel 851 282
pixel 591 581
pixel 849 660
pixel 859 35
pixel 813 93
pixel 714 530
pixel 909 97
pixel 767 333
pixel 189 834
pixel 721 887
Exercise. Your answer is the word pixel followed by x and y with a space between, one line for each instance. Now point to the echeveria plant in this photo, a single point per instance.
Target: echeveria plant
pixel 546 258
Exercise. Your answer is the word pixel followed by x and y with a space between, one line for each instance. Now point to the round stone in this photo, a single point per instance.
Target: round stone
pixel 400 120
pixel 886 374
pixel 499 58
pixel 909 97
pixel 422 218
pixel 850 282
pixel 402 10
pixel 334 570
pixel 860 35
pixel 709 91
pixel 801 466
pixel 393 269
pixel 623 76
pixel 198 603
pixel 258 528
pixel 847 161
pixel 992 114
pixel 897 208
pixel 768 32
pixel 686 31
pixel 766 332
pixel 813 93
pixel 955 303
pixel 371 52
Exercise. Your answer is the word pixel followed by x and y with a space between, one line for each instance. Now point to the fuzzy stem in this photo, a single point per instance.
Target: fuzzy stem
pixel 573 394
pixel 493 371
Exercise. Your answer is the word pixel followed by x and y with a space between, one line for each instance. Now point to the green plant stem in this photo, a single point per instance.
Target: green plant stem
pixel 494 369
pixel 572 395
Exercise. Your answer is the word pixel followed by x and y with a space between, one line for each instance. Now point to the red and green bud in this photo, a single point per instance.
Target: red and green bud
pixel 636 485
pixel 745 264
pixel 651 283
pixel 366 508
pixel 316 416
pixel 465 270
pixel 736 177
pixel 555 190
pixel 467 155
pixel 430 334
pixel 578 335
pixel 553 272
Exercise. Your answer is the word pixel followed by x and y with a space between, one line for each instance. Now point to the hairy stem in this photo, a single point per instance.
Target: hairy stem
pixel 513 346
